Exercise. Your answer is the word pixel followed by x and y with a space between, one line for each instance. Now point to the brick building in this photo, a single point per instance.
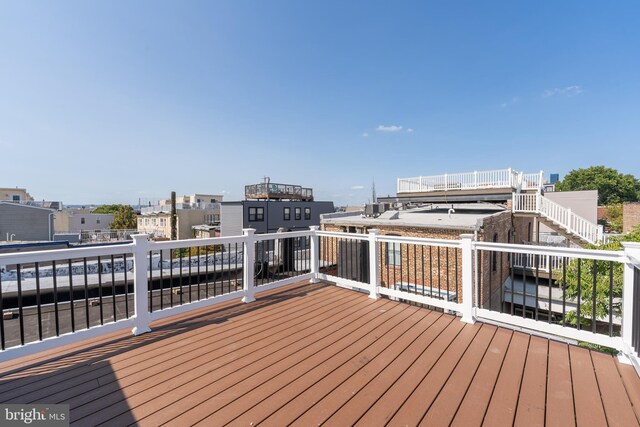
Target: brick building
pixel 429 270
pixel 630 216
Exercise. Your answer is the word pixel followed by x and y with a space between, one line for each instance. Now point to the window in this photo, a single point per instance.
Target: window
pixel 307 214
pixel 394 254
pixel 287 214
pixel 256 214
pixel 298 214
pixel 81 220
pixel 97 220
pixel 16 197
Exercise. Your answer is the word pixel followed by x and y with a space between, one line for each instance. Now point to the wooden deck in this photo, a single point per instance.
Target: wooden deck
pixel 311 354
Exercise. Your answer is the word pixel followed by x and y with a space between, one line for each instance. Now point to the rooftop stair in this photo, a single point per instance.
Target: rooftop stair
pixel 572 226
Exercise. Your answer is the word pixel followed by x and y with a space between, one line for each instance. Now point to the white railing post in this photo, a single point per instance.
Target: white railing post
pixel 446 185
pixel 374 262
pixel 141 317
pixel 632 252
pixel 538 206
pixel 475 180
pixel 314 253
pixel 466 245
pixel 541 181
pixel 248 268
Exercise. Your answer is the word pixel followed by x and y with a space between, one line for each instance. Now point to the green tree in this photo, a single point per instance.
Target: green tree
pixel 580 278
pixel 108 209
pixel 124 218
pixel 613 187
pixel 614 217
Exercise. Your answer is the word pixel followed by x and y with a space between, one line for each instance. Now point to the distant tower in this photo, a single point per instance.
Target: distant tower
pixel 374 198
pixel 553 178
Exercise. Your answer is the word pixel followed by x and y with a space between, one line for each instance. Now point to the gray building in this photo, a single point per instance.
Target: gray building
pixel 20 222
pixel 267 216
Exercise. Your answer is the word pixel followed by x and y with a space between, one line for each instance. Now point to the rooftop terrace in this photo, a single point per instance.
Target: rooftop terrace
pixel 391 330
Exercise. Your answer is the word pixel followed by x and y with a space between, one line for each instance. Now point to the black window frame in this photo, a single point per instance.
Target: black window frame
pixel 256 214
pixel 286 214
pixel 298 214
pixel 307 214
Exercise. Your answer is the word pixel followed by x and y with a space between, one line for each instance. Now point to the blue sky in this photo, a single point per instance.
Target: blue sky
pixel 112 101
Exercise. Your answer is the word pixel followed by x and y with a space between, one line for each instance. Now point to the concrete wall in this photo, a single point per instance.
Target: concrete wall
pixel 25 222
pixel 69 221
pixel 630 216
pixel 231 219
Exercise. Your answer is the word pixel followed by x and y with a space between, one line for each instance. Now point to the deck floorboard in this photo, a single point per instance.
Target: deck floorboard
pixel 310 354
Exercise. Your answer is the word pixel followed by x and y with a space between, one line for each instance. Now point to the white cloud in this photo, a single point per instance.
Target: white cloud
pixel 409 130
pixel 566 91
pixel 364 135
pixel 390 128
pixel 357 187
pixel 512 101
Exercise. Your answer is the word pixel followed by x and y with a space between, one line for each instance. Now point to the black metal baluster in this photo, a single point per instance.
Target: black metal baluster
pixel 536 260
pixel 150 281
pixel 446 253
pixel 198 271
pixel 181 281
pixel 579 289
pixel 415 268
pixel 422 266
pixel 160 265
pixel 524 285
pixel 71 300
pixel 86 291
pixel 550 267
pixel 113 289
pixel 401 262
pixel 491 263
pixel 20 311
pixel 100 291
pixel 611 297
pixel 171 277
pixel 229 265
pixel 593 296
pixel 513 283
pixel 189 281
pixel 126 287
pixel 215 278
pixel 431 271
pixel 456 270
pixel 500 275
pixel 206 272
pixel 55 297
pixel 236 267
pixel 2 344
pixel 439 274
pixel 38 301
pixel 564 289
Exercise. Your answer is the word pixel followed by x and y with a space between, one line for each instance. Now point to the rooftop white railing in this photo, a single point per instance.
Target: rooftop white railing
pixel 476 180
pixel 51 298
pixel 536 203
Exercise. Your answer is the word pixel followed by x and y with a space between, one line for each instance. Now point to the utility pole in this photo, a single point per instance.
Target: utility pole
pixel 374 198
pixel 174 217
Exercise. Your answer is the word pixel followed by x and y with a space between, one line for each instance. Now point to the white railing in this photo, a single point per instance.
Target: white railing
pixel 477 180
pixel 461 263
pixel 89 236
pixel 564 217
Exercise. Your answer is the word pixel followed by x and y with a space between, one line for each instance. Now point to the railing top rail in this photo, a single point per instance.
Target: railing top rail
pixel 617 256
pixel 64 254
pixel 420 241
pixel 458 174
pixel 188 243
pixel 345 235
pixel 285 235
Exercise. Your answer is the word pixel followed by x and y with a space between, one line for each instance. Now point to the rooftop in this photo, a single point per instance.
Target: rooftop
pixel 312 353
pixel 462 216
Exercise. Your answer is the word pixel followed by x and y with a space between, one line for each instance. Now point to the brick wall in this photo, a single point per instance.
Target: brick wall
pixel 630 216
pixel 432 266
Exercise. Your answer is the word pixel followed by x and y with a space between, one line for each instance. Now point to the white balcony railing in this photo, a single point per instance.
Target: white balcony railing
pixel 136 283
pixel 477 180
pixel 564 217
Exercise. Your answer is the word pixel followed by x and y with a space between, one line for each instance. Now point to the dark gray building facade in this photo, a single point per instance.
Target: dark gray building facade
pixel 267 216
